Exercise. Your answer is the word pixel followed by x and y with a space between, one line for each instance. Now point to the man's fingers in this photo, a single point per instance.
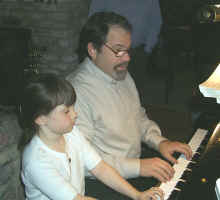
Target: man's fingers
pixel 171 158
pixel 158 168
pixel 167 168
pixel 159 176
pixel 163 171
pixel 188 151
pixel 185 149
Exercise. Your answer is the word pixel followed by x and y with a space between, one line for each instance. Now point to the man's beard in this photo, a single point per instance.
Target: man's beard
pixel 120 75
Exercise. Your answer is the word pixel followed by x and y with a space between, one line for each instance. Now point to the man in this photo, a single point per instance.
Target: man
pixel 146 20
pixel 108 106
pixel 144 15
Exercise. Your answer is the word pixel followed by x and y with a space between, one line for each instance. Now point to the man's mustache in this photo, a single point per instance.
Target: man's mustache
pixel 121 64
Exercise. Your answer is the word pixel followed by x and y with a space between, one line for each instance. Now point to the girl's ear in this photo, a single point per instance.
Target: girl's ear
pixel 91 50
pixel 41 120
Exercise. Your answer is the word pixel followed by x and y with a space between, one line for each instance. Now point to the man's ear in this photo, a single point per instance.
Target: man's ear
pixel 41 120
pixel 91 50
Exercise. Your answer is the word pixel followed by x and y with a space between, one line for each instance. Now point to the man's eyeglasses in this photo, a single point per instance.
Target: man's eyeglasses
pixel 118 53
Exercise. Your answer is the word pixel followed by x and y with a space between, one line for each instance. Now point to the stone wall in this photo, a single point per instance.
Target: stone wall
pixel 10 185
pixel 55 27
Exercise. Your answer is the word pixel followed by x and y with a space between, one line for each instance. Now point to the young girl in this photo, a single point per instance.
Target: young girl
pixel 57 155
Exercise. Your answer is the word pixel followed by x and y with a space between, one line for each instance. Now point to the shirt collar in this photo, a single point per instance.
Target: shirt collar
pixel 98 72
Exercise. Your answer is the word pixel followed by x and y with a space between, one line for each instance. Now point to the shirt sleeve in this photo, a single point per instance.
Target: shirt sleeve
pixel 91 157
pixel 43 175
pixel 151 133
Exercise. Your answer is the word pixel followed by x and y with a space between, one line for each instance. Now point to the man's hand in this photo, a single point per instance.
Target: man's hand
pixel 157 168
pixel 167 148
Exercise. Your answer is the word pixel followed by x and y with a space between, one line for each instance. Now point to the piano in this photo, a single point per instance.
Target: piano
pixel 196 179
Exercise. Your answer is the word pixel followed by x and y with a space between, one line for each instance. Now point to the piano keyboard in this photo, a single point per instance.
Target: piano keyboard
pixel 182 166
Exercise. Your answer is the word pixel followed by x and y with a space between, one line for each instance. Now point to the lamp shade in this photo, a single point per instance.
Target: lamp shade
pixel 209 13
pixel 211 87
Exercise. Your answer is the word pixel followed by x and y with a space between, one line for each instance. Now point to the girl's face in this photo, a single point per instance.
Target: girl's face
pixel 61 120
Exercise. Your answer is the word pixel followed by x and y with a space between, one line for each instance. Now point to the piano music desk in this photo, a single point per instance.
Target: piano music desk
pixel 207 109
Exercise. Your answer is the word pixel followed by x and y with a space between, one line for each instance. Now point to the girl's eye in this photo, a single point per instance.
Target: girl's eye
pixel 67 111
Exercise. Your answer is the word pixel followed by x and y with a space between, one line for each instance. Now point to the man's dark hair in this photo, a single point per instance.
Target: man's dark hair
pixel 96 30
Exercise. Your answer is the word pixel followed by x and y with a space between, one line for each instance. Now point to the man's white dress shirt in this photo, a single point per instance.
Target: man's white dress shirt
pixel 111 117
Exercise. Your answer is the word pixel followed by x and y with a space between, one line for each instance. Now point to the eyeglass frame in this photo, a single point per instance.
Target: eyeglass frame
pixel 117 52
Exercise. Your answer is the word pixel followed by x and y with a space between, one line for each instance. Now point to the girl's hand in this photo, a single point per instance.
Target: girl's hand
pixel 153 193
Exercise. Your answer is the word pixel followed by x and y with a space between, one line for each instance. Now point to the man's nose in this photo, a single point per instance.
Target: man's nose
pixel 126 57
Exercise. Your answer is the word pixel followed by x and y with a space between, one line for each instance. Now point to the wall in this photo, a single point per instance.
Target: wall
pixel 179 12
pixel 55 27
pixel 10 185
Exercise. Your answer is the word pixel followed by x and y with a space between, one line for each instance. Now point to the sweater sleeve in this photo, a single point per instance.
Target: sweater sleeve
pixel 151 133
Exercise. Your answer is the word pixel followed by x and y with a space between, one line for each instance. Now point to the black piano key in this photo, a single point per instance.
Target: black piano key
pixel 196 157
pixel 200 149
pixel 186 175
pixel 174 195
pixel 205 141
pixel 188 169
pixel 207 137
pixel 180 185
pixel 192 164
